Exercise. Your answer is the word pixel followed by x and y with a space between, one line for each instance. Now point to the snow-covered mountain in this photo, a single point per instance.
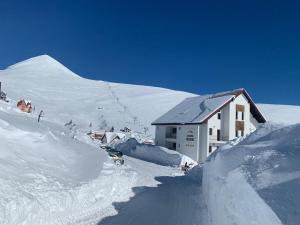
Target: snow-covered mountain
pixel 49 177
pixel 63 96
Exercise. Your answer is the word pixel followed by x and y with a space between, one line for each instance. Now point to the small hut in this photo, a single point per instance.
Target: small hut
pixel 24 106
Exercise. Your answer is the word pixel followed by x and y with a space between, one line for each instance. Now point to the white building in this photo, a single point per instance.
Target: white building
pixel 199 125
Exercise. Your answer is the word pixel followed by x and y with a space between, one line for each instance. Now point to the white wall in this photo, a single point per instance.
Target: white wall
pixel 160 135
pixel 240 100
pixel 185 143
pixel 204 142
pixel 215 124
pixel 225 121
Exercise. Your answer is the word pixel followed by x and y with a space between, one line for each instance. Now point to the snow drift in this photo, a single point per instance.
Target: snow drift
pixel 256 181
pixel 152 153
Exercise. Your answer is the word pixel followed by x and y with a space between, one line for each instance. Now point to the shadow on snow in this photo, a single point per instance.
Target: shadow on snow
pixel 175 201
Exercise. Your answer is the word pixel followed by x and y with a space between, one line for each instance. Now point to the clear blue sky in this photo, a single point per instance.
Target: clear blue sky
pixel 195 46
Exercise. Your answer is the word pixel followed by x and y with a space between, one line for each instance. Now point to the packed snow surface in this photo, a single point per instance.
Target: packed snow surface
pixel 53 173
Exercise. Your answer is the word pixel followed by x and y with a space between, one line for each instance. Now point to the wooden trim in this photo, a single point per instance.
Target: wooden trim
pixel 239 125
pixel 240 108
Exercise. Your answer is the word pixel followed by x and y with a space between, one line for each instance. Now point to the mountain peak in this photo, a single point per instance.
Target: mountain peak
pixel 41 63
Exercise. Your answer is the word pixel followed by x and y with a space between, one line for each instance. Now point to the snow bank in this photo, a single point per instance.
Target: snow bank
pixel 152 153
pixel 256 181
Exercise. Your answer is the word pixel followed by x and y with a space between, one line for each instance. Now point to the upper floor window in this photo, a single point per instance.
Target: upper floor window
pixel 210 131
pixel 239 113
pixel 219 116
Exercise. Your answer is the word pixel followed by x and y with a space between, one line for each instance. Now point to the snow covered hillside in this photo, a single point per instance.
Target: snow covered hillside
pixel 55 174
pixel 49 177
pixel 285 114
pixel 63 96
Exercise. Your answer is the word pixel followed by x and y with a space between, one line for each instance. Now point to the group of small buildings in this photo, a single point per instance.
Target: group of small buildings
pixel 106 137
pixel 197 126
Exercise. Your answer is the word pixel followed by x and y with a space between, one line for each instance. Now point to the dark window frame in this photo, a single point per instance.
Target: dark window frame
pixel 174 130
pixel 210 131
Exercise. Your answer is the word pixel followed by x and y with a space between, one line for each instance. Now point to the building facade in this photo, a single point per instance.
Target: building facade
pixel 199 125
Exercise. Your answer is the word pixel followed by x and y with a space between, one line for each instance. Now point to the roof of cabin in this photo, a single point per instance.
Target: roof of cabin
pixel 199 109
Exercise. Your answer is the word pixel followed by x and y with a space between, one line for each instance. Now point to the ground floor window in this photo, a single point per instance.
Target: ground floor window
pixel 210 149
pixel 239 133
pixel 174 146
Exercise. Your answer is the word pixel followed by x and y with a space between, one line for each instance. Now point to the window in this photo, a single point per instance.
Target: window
pixel 174 146
pixel 237 115
pixel 210 131
pixel 236 133
pixel 219 116
pixel 174 130
pixel 242 133
pixel 242 115
pixel 218 135
pixel 210 149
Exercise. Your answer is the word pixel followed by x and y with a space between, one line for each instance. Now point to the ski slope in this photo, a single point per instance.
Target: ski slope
pixel 53 174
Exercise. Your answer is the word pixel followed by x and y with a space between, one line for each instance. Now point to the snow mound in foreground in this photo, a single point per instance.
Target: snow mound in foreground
pixel 256 181
pixel 151 153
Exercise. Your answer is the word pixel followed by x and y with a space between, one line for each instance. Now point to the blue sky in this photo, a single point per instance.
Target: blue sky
pixel 195 46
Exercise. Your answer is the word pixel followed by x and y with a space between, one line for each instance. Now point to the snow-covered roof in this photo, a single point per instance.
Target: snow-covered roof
pixel 196 110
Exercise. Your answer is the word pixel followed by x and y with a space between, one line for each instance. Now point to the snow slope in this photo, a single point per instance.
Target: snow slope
pixel 47 83
pixel 53 174
pixel 63 96
pixel 284 114
pixel 48 177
